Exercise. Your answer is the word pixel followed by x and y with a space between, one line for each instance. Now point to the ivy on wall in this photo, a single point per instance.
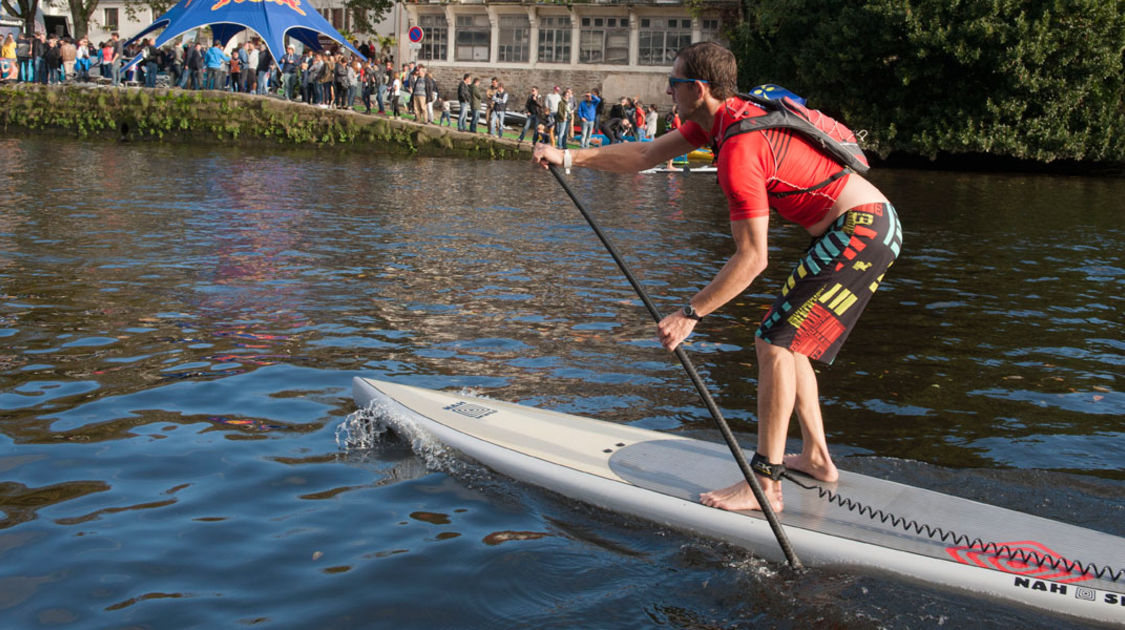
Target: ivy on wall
pixel 219 117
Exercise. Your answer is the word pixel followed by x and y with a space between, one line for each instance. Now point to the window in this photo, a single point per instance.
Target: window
pixel 338 19
pixel 711 30
pixel 474 36
pixel 109 19
pixel 515 38
pixel 554 39
pixel 435 42
pixel 604 40
pixel 661 38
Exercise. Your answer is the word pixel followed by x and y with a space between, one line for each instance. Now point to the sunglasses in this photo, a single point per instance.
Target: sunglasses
pixel 672 81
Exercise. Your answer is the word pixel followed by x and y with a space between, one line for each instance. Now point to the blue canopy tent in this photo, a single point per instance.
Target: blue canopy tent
pixel 271 19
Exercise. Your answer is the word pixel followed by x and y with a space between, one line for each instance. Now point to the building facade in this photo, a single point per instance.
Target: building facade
pixel 621 48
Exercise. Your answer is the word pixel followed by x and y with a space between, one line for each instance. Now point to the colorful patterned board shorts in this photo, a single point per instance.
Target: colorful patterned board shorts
pixel 831 285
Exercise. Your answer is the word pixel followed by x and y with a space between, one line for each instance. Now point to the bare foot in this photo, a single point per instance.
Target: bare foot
pixel 815 466
pixel 740 497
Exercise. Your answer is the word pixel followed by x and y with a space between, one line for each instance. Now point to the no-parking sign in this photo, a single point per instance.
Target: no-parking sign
pixel 415 34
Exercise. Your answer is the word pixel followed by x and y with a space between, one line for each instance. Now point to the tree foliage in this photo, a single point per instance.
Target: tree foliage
pixel 1030 79
pixel 367 13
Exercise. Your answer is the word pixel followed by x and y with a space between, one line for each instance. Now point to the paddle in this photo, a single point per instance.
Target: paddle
pixel 743 465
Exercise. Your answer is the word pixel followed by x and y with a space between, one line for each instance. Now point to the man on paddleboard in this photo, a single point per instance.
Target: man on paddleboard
pixel 856 238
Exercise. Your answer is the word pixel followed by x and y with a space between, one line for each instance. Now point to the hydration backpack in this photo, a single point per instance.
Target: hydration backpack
pixel 820 130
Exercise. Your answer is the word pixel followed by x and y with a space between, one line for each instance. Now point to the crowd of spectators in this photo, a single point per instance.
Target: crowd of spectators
pixel 330 79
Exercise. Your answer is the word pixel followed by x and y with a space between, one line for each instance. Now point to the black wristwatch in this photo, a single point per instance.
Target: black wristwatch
pixel 690 313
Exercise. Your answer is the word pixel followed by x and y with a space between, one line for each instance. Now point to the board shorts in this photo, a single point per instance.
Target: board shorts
pixel 822 299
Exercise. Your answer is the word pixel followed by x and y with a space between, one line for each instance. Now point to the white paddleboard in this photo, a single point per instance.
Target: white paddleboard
pixel 659 477
pixel 681 169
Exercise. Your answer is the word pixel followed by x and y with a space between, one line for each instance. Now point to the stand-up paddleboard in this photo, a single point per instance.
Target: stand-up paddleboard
pixel 687 169
pixel 871 523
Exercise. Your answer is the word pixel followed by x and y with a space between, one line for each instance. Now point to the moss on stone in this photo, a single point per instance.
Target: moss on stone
pixel 163 115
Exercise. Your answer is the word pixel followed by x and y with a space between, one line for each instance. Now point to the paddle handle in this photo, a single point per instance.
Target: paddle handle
pixel 700 387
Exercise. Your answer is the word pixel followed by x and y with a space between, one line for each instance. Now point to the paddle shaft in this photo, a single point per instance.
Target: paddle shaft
pixel 739 457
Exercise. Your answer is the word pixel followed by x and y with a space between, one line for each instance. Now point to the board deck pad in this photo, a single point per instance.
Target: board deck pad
pixel 686 468
pixel 872 523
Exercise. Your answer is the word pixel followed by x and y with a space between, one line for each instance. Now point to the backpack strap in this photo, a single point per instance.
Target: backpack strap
pixel 783 114
pixel 837 175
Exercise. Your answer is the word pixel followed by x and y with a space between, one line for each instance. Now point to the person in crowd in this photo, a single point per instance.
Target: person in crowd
pixel 38 52
pixel 534 113
pixel 673 122
pixel 446 108
pixel 107 60
pixel 52 62
pixel 315 64
pixel 303 77
pixel 571 112
pixel 629 110
pixel 289 63
pixel 615 129
pixel 369 81
pixel 214 60
pixel 386 78
pixel 856 237
pixel 488 94
pixel 265 69
pixel 405 96
pixel 327 80
pixel 355 77
pixel 499 110
pixel 600 107
pixel 541 134
pixel 587 116
pixel 233 70
pixel 464 89
pixel 151 55
pixel 433 95
pixel 173 57
pixel 651 118
pixel 82 60
pixel 475 97
pixel 551 108
pixel 194 67
pixel 69 53
pixel 617 110
pixel 118 52
pixel 241 78
pixel 639 120
pixel 341 87
pixel 419 95
pixel 23 57
pixel 397 91
pixel 559 122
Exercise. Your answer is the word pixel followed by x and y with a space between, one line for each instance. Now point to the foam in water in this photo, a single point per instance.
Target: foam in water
pixel 366 428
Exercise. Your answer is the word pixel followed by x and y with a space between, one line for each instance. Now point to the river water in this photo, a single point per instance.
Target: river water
pixel 180 328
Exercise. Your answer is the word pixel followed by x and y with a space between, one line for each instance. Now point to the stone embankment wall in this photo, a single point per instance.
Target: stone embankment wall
pixel 135 114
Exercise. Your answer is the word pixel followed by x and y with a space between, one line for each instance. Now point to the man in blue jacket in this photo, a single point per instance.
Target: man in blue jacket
pixel 214 61
pixel 588 114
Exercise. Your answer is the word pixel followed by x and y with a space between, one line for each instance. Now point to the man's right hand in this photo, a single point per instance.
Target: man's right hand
pixel 545 155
